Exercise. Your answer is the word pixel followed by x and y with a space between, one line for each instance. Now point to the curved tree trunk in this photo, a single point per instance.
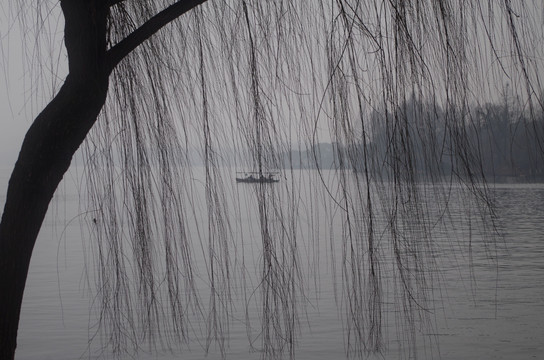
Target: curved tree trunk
pixel 55 136
pixel 44 158
pixel 46 154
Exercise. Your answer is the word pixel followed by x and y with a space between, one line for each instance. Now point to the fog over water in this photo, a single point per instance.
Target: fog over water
pixel 361 108
pixel 490 310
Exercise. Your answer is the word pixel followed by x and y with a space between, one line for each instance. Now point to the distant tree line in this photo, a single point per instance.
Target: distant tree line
pixel 504 143
pixel 509 142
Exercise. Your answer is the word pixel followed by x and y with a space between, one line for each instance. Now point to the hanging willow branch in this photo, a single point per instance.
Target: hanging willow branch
pixel 392 86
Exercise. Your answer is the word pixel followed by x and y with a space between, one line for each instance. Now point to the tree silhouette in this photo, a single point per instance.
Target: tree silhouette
pixel 262 77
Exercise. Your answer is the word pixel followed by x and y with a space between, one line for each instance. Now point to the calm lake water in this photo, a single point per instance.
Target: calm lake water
pixel 494 309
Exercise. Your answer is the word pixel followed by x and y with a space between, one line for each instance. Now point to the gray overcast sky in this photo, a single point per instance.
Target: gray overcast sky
pixel 22 96
pixel 14 119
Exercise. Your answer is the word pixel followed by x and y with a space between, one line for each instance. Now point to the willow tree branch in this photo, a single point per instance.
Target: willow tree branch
pixel 150 27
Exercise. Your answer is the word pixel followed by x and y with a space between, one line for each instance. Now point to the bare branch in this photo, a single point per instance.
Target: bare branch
pixel 150 27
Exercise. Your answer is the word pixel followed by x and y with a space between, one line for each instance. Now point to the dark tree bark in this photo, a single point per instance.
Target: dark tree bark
pixel 46 154
pixel 55 136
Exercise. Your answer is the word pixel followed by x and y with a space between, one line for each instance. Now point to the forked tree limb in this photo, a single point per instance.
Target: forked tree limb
pixel 150 27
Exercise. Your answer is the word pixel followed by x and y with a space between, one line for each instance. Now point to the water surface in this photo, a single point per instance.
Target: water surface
pixel 492 309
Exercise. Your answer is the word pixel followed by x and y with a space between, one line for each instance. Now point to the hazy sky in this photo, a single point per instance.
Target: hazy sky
pixel 22 94
pixel 14 119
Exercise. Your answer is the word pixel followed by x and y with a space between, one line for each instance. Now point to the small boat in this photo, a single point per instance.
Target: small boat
pixel 256 177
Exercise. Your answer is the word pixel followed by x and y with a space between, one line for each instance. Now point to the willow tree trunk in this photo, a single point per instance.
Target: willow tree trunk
pixel 46 153
pixel 55 136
